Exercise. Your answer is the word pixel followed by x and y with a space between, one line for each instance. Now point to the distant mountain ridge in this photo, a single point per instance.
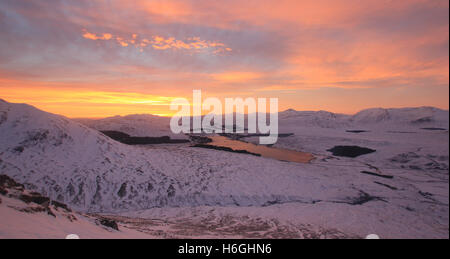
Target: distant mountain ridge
pixel 147 125
pixel 415 117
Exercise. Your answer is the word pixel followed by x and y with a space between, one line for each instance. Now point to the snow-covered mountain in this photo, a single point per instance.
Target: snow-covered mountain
pixel 394 117
pixel 322 119
pixel 421 116
pixel 137 125
pixel 79 166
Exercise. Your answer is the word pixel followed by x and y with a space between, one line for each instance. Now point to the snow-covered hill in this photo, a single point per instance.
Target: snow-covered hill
pixel 138 125
pixel 322 119
pixel 76 165
pixel 379 117
pixel 415 117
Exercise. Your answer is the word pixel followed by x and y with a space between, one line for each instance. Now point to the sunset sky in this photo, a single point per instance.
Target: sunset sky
pixel 86 58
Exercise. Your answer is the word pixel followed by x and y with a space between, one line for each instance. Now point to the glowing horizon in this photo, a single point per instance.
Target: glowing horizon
pixel 106 58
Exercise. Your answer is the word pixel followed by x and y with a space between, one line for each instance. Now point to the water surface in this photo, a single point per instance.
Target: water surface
pixel 265 151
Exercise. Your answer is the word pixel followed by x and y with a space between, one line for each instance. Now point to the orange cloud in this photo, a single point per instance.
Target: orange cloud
pixel 92 36
pixel 161 43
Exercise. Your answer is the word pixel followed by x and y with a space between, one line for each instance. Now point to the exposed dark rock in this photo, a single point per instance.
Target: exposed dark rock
pixel 70 189
pixel 350 151
pixel 33 209
pixel 426 194
pixel 50 212
pixel 44 203
pixel 171 191
pixel 3 117
pixel 38 199
pixel 149 187
pixel 19 149
pixel 38 209
pixel 97 196
pixel 63 206
pixel 363 198
pixel 116 135
pixel 356 131
pixel 270 203
pixel 109 223
pixel 360 200
pixel 200 139
pixel 37 136
pixel 379 175
pixel 433 129
pixel 129 140
pixel 8 182
pixel 123 190
pixel 387 185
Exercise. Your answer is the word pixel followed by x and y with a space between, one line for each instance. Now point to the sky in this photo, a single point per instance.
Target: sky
pixel 99 58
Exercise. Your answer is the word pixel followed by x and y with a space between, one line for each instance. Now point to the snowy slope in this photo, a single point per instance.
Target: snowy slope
pixel 75 164
pixel 26 214
pixel 81 167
